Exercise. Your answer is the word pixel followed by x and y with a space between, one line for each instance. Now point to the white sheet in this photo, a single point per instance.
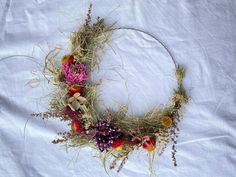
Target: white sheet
pixel 201 36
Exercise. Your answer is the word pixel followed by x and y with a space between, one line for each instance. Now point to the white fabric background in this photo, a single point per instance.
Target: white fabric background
pixel 201 36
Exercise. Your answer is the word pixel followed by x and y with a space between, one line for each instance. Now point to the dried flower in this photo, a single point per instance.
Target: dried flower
pixel 149 143
pixel 67 59
pixel 76 126
pixel 105 135
pixel 77 102
pixel 118 144
pixel 75 89
pixel 75 73
pixel 166 121
pixel 70 113
pixel 136 140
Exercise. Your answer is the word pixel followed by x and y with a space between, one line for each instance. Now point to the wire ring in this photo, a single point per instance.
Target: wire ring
pixel 149 34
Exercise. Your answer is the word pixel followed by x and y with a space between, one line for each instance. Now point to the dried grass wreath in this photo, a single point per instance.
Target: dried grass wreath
pixel 114 133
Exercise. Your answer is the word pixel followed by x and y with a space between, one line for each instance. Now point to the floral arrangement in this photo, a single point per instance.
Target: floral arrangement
pixel 115 134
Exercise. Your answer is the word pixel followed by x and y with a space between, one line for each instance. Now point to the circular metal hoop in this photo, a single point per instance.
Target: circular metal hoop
pixel 151 35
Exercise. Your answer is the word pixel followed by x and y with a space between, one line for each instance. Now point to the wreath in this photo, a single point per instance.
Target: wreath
pixel 115 134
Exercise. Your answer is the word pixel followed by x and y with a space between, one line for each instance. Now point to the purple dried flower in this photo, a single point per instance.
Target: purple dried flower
pixel 75 73
pixel 105 135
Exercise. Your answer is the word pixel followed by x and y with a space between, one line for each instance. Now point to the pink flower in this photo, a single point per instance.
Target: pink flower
pixel 75 73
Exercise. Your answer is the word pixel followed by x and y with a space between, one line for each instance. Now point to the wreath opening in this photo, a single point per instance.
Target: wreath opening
pixel 115 134
pixel 142 79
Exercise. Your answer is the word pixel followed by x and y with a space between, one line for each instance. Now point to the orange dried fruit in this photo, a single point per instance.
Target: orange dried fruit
pixel 166 121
